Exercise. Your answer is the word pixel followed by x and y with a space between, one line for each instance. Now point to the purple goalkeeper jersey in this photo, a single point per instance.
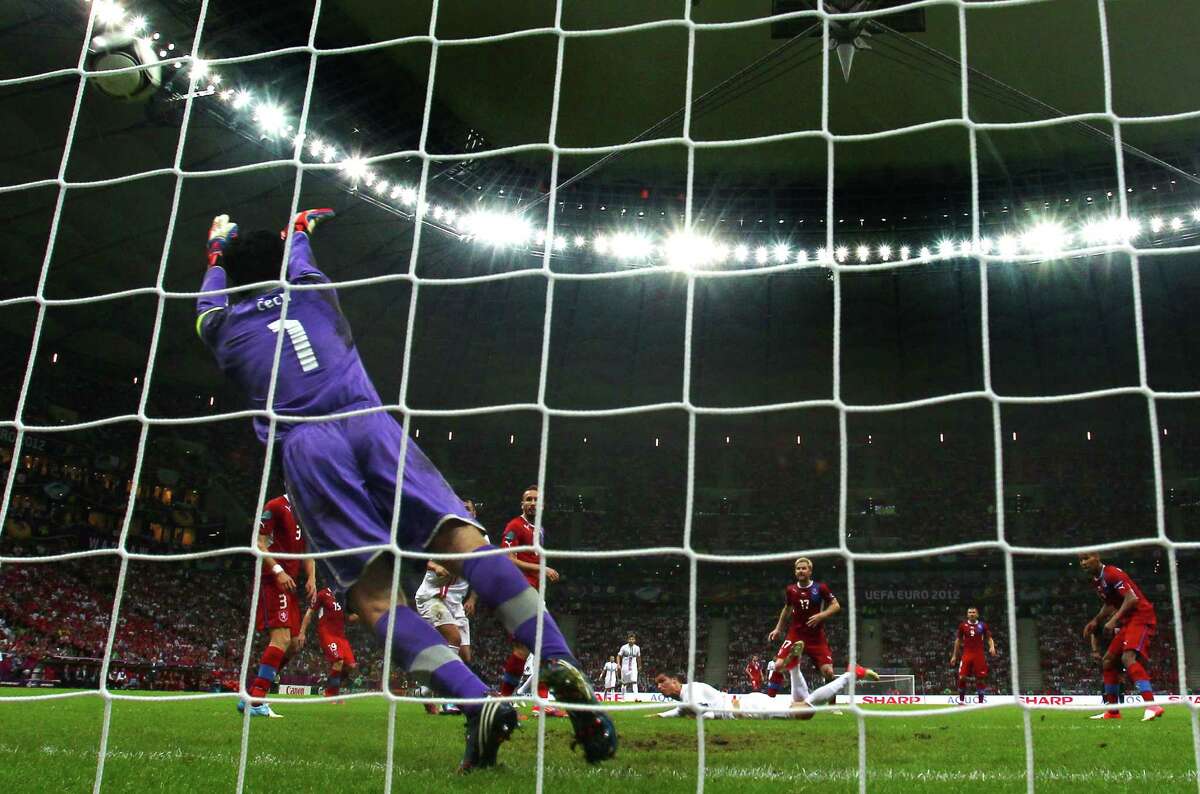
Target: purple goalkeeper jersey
pixel 319 368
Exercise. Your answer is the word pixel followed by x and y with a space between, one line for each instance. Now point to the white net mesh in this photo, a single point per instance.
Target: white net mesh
pixel 828 258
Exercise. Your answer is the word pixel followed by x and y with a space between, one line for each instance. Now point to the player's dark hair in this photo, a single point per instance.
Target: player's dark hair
pixel 256 256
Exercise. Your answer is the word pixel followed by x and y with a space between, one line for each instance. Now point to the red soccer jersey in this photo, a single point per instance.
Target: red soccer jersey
pixel 281 527
pixel 806 602
pixel 520 532
pixel 972 636
pixel 331 618
pixel 755 672
pixel 1112 584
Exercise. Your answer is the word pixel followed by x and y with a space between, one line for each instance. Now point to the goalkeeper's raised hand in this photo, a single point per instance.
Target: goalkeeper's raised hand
pixel 308 221
pixel 220 234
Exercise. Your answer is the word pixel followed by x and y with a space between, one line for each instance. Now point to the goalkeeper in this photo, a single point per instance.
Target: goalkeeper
pixel 342 476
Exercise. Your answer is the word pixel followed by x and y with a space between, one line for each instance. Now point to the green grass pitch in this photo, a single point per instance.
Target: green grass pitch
pixel 158 745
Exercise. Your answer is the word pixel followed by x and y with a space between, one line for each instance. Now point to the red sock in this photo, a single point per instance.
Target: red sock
pixel 513 667
pixel 543 690
pixel 272 660
pixel 1141 679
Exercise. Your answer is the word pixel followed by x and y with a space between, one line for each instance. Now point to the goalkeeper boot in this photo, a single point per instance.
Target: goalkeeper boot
pixel 487 729
pixel 865 673
pixel 1152 713
pixel 594 731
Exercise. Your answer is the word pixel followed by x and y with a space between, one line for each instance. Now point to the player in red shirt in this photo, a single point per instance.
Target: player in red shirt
pixel 755 671
pixel 278 601
pixel 521 532
pixel 1130 618
pixel 331 628
pixel 806 607
pixel 970 637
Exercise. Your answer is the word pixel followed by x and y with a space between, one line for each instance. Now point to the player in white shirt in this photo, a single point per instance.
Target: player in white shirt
pixel 443 600
pixel 713 704
pixel 610 675
pixel 629 655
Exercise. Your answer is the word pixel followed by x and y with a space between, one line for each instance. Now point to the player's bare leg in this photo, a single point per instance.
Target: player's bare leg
pixel 502 587
pixel 273 657
pixel 421 651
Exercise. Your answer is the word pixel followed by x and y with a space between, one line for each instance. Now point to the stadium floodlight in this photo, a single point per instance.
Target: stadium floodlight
pixel 862 253
pixel 720 253
pixel 985 245
pixel 1156 224
pixel 1196 215
pixel 109 13
pixel 1008 246
pixel 741 253
pixel 270 118
pixel 1176 224
pixel 685 250
pixel 885 252
pixel 629 245
pixel 945 248
pixel 761 254
pixel 497 229
pixel 1047 238
pixel 905 251
pixel 782 252
pixel 316 147
pixel 801 256
pixel 600 244
pixel 821 255
pixel 964 248
pixel 381 187
pixel 355 168
pixel 560 242
pixel 396 191
pixel 242 99
pixel 199 70
pixel 580 241
pixel 408 196
pixel 924 252
pixel 136 25
pixel 841 253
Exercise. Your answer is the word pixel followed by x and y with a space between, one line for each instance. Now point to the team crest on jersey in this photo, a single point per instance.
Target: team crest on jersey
pixel 510 536
pixel 266 516
pixel 283 615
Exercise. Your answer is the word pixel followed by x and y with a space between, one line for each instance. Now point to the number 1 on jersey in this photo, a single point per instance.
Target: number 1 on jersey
pixel 300 344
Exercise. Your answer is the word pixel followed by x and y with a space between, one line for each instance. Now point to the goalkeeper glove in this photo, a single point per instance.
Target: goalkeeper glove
pixel 308 220
pixel 220 234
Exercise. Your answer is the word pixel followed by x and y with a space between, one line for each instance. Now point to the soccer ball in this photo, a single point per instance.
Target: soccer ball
pixel 121 51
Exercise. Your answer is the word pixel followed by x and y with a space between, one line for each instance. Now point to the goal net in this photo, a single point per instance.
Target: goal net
pixel 838 279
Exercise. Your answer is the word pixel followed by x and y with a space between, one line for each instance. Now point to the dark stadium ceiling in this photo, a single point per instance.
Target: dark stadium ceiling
pixel 614 87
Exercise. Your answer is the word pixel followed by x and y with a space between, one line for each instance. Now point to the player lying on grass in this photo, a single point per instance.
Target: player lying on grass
pixel 714 704
pixel 1129 617
pixel 342 475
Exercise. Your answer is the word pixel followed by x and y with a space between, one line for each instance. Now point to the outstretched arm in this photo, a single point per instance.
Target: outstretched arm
pixel 210 307
pixel 785 614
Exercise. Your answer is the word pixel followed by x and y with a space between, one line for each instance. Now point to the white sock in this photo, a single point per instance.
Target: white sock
pixel 799 684
pixel 827 692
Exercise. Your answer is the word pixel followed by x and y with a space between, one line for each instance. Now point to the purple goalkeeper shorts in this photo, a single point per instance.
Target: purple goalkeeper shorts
pixel 341 478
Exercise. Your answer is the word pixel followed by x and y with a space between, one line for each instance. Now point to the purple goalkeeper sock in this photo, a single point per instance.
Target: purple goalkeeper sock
pixel 502 587
pixel 421 650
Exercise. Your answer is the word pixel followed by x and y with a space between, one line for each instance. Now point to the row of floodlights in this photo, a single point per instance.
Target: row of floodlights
pixel 1046 239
